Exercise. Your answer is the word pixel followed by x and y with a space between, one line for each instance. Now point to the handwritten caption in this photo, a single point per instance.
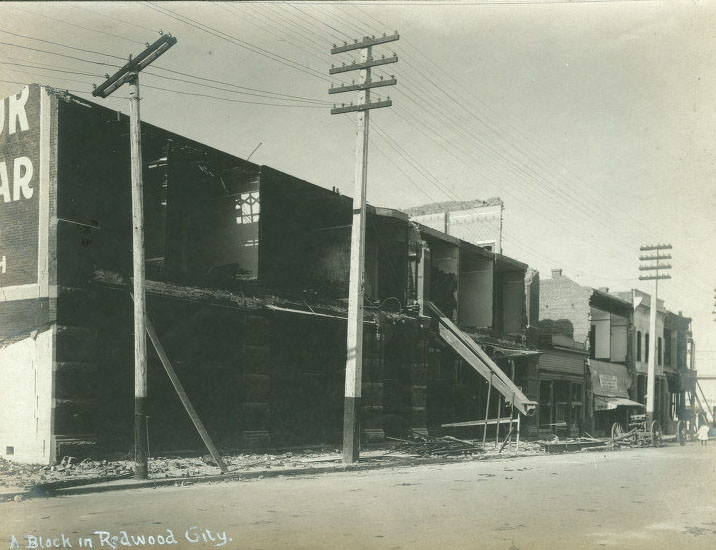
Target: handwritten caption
pixel 120 539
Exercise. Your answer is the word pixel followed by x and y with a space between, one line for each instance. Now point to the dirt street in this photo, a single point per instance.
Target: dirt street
pixel 642 498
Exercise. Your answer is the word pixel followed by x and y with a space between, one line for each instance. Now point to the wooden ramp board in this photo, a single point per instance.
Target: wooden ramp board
pixel 478 359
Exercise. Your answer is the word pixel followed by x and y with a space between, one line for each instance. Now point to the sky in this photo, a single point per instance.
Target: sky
pixel 593 121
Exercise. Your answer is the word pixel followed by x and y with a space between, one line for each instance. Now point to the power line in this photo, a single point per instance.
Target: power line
pixel 237 42
pixel 60 44
pixel 232 85
pixel 62 89
pixel 78 26
pixel 304 45
pixel 59 54
pixel 523 170
pixel 112 17
pixel 57 70
pixel 232 100
pixel 290 97
pixel 534 159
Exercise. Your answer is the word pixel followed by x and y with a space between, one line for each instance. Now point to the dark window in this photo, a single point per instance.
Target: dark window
pixel 9 450
pixel 638 346
pixel 641 389
pixel 658 350
pixel 592 340
pixel 667 347
pixel 576 404
pixel 545 403
pixel 646 347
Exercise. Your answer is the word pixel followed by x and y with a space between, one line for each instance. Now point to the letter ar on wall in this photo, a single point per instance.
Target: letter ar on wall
pixel 19 186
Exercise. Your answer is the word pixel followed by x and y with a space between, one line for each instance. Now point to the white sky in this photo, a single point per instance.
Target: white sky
pixel 593 121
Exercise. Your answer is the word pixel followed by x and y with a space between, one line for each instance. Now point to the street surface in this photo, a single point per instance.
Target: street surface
pixel 641 498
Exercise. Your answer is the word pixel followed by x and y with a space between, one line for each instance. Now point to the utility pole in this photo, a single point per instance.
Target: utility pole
pixel 354 339
pixel 129 74
pixel 659 269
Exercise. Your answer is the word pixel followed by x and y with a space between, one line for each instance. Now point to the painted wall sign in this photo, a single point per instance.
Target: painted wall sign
pixel 609 382
pixel 19 187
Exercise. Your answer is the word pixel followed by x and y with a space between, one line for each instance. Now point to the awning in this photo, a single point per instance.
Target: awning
pixel 611 403
pixel 609 379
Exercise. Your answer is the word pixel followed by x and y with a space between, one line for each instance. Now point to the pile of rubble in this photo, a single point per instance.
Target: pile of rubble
pixel 68 469
pixel 448 446
pixel 173 466
pixel 423 445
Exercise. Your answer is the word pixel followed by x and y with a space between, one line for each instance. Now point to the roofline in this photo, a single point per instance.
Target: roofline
pixel 500 258
pixel 434 233
pixel 390 213
pixel 611 297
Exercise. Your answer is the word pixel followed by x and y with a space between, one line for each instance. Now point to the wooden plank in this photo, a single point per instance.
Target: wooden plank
pixel 487 412
pixel 517 438
pixel 184 398
pixel 499 417
pixel 479 423
pixel 508 437
pixel 477 358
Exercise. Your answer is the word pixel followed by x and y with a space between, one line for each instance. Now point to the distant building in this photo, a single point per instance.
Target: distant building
pixel 584 379
pixel 674 383
pixel 477 222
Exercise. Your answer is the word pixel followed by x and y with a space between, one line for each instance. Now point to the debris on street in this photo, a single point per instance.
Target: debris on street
pixel 446 446
pixel 26 476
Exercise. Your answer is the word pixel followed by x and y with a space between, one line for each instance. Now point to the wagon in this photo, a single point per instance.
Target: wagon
pixel 640 432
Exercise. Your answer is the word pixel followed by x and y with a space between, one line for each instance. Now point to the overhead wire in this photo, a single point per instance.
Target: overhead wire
pixel 507 142
pixel 112 17
pixel 514 239
pixel 99 31
pixel 237 42
pixel 269 92
pixel 231 100
pixel 278 95
pixel 578 204
pixel 568 177
pixel 363 33
pixel 258 22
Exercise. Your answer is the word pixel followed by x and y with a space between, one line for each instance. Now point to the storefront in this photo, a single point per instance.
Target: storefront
pixel 610 395
pixel 561 388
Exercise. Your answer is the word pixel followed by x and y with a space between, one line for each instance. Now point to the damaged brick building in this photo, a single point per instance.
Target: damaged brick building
pixel 247 272
pixel 604 380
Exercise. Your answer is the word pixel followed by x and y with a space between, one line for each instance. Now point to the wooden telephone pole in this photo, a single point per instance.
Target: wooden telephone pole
pixel 659 268
pixel 354 339
pixel 129 74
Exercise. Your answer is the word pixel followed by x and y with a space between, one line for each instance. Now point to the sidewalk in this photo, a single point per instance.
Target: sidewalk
pixel 183 471
pixel 180 471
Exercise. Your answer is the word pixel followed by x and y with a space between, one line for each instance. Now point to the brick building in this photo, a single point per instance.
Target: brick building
pixel 592 372
pixel 247 272
pixel 476 221
pixel 673 376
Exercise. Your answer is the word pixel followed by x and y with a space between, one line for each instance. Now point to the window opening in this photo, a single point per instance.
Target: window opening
pixel 248 208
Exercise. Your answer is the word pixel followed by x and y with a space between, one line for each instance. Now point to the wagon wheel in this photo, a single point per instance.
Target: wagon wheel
pixel 617 430
pixel 655 431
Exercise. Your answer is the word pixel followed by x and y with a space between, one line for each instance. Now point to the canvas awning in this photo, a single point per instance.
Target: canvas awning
pixel 609 379
pixel 611 403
